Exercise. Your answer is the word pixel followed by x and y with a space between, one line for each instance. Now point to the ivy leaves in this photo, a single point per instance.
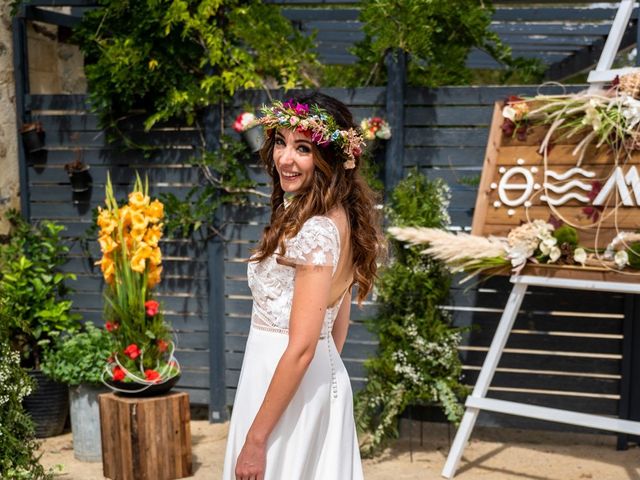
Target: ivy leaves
pixel 174 57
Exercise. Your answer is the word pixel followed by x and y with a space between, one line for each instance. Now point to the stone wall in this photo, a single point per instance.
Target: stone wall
pixel 9 178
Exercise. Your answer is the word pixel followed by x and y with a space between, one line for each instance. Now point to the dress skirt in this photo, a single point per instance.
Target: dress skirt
pixel 315 439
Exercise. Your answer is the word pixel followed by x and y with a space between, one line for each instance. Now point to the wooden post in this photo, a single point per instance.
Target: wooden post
pixel 21 77
pixel 396 66
pixel 145 438
pixel 215 271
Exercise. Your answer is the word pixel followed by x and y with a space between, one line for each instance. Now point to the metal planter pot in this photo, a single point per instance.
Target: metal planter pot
pixel 85 422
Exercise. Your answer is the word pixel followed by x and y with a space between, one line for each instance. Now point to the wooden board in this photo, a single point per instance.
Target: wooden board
pixel 599 196
pixel 147 437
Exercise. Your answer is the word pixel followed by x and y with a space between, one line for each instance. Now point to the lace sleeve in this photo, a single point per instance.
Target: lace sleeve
pixel 317 244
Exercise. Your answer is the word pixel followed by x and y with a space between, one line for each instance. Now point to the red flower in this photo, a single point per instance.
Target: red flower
pixel 112 326
pixel 162 345
pixel 152 307
pixel 132 351
pixel 151 375
pixel 118 374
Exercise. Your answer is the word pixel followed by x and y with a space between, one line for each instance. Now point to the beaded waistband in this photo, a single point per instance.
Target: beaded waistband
pixel 282 331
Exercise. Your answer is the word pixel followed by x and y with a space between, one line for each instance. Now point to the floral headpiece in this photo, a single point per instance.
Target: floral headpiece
pixel 321 126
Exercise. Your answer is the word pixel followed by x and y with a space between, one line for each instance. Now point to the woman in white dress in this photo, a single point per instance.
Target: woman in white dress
pixel 293 411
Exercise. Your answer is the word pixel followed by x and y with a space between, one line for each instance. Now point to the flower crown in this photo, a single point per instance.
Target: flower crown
pixel 322 127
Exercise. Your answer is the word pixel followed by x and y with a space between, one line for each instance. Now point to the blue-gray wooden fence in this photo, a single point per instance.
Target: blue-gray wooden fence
pixel 566 348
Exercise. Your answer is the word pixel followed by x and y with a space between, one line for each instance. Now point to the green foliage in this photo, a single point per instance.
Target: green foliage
pixel 18 448
pixel 225 181
pixel 633 251
pixel 32 288
pixel 417 360
pixel 437 35
pixel 79 358
pixel 174 57
pixel 566 235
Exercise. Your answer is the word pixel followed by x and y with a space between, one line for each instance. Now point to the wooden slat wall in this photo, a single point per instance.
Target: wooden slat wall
pixel 184 289
pixel 566 347
pixel 550 32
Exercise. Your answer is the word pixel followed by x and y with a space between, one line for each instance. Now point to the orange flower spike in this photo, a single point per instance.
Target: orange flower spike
pixel 107 244
pixel 138 235
pixel 155 257
pixel 153 235
pixel 153 278
pixel 106 222
pixel 138 200
pixel 139 221
pixel 155 211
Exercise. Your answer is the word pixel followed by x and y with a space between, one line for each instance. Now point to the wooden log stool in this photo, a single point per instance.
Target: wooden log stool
pixel 147 438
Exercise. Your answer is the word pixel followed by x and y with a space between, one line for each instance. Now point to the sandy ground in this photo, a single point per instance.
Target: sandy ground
pixel 494 454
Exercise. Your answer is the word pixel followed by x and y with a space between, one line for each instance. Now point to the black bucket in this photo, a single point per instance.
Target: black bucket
pixel 48 405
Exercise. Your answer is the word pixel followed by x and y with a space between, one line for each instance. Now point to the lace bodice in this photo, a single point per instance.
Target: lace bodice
pixel 271 283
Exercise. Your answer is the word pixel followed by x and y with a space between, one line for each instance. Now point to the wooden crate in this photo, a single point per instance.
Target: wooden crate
pixel 146 438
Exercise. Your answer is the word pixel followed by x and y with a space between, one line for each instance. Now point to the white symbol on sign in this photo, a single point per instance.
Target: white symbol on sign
pixel 620 181
pixel 505 185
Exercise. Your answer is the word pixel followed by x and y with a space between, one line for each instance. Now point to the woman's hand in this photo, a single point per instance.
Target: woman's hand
pixel 251 461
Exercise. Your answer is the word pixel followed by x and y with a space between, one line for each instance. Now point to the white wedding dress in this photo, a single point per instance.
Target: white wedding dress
pixel 315 438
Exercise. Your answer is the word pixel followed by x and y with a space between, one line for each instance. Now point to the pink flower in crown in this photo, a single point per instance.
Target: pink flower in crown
pixel 293 120
pixel 302 109
pixel 288 104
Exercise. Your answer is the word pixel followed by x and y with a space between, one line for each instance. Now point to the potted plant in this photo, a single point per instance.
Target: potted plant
pixel 79 361
pixel 37 311
pixel 251 132
pixel 79 175
pixel 142 362
pixel 32 136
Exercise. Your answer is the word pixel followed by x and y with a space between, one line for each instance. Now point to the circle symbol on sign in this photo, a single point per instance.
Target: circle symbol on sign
pixel 505 185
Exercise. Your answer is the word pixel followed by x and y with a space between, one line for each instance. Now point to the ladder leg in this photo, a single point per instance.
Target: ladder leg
pixel 485 377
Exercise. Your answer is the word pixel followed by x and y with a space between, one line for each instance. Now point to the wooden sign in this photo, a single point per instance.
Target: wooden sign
pixel 599 196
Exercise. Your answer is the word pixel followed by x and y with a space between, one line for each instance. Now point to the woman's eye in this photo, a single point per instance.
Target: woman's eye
pixel 279 141
pixel 304 149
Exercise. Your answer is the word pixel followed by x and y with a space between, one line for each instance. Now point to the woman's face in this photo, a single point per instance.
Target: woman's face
pixel 293 158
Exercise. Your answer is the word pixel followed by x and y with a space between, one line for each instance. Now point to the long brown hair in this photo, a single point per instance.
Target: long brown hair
pixel 332 186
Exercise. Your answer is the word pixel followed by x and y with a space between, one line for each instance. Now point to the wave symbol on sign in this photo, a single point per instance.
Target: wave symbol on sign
pixel 555 188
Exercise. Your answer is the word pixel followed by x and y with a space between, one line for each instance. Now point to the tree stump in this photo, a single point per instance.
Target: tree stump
pixel 146 438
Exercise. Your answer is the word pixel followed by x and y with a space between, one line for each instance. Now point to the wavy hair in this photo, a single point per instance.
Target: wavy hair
pixel 332 186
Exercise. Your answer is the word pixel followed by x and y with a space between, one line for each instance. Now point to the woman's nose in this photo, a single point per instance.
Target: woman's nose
pixel 287 155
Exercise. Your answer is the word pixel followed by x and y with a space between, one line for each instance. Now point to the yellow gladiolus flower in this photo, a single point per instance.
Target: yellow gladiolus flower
pixel 138 234
pixel 138 220
pixel 106 221
pixel 107 244
pixel 153 235
pixel 155 211
pixel 125 216
pixel 138 264
pixel 156 256
pixel 154 277
pixel 138 200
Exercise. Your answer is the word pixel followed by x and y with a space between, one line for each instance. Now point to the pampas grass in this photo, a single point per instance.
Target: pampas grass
pixel 461 252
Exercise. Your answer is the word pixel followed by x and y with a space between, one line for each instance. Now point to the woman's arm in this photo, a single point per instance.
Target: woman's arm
pixel 341 325
pixel 310 298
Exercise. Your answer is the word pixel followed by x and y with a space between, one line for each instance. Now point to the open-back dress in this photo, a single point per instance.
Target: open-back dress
pixel 315 438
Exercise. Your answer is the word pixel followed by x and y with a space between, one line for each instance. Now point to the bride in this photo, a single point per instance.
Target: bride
pixel 293 411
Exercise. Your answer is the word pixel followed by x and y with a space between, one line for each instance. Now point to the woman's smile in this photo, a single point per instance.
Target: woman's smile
pixel 293 158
